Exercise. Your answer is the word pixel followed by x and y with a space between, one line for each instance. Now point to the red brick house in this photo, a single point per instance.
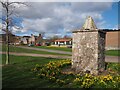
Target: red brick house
pixel 32 39
pixel 39 39
pixel 13 39
pixel 112 39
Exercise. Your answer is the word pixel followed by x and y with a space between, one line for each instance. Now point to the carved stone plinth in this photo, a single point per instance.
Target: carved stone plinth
pixel 88 49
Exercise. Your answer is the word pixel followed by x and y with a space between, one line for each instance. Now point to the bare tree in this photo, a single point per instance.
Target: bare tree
pixel 7 21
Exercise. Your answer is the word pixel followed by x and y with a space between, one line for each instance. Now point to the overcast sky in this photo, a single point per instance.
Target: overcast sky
pixel 61 18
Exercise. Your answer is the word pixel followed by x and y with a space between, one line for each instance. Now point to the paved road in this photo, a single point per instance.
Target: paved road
pixel 107 58
pixel 112 59
pixel 47 50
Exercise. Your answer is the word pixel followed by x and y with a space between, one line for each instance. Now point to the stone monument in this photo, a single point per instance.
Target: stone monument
pixel 88 48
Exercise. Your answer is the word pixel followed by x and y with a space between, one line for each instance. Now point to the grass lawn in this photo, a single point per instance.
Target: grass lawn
pixel 22 50
pixel 113 52
pixel 108 52
pixel 18 74
pixel 55 48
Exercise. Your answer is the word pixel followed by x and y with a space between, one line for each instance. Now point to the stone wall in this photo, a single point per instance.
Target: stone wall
pixel 101 50
pixel 88 51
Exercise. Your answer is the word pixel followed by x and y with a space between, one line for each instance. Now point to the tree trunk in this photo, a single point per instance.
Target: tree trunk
pixel 7 35
pixel 7 48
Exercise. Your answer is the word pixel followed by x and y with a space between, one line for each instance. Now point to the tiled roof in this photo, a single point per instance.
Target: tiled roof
pixel 63 39
pixel 27 36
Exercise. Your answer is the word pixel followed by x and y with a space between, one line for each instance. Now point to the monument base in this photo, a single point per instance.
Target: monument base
pixel 88 51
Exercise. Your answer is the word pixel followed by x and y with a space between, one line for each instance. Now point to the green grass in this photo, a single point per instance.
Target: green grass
pixel 108 52
pixel 18 74
pixel 22 59
pixel 22 50
pixel 55 48
pixel 52 72
pixel 113 52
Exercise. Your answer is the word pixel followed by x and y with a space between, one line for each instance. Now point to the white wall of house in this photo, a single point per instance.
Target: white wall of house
pixel 24 40
pixel 58 43
pixel 55 43
pixel 32 39
pixel 63 43
pixel 29 40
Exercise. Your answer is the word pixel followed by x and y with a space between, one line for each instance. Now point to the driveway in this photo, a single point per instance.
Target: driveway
pixel 112 59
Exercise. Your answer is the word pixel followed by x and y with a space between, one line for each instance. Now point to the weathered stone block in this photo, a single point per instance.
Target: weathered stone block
pixel 88 51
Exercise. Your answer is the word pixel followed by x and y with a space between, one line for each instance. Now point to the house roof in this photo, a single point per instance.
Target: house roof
pixel 111 30
pixel 63 39
pixel 26 36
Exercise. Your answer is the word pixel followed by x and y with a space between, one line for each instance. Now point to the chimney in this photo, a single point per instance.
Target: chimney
pixel 40 35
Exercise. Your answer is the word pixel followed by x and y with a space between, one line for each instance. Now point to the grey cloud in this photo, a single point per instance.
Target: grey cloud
pixel 54 18
pixel 91 6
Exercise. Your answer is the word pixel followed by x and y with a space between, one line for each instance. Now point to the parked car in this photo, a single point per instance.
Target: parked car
pixel 69 46
pixel 29 45
pixel 47 43
pixel 37 44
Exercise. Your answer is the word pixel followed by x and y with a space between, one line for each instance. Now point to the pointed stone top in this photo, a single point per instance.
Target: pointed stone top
pixel 89 24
